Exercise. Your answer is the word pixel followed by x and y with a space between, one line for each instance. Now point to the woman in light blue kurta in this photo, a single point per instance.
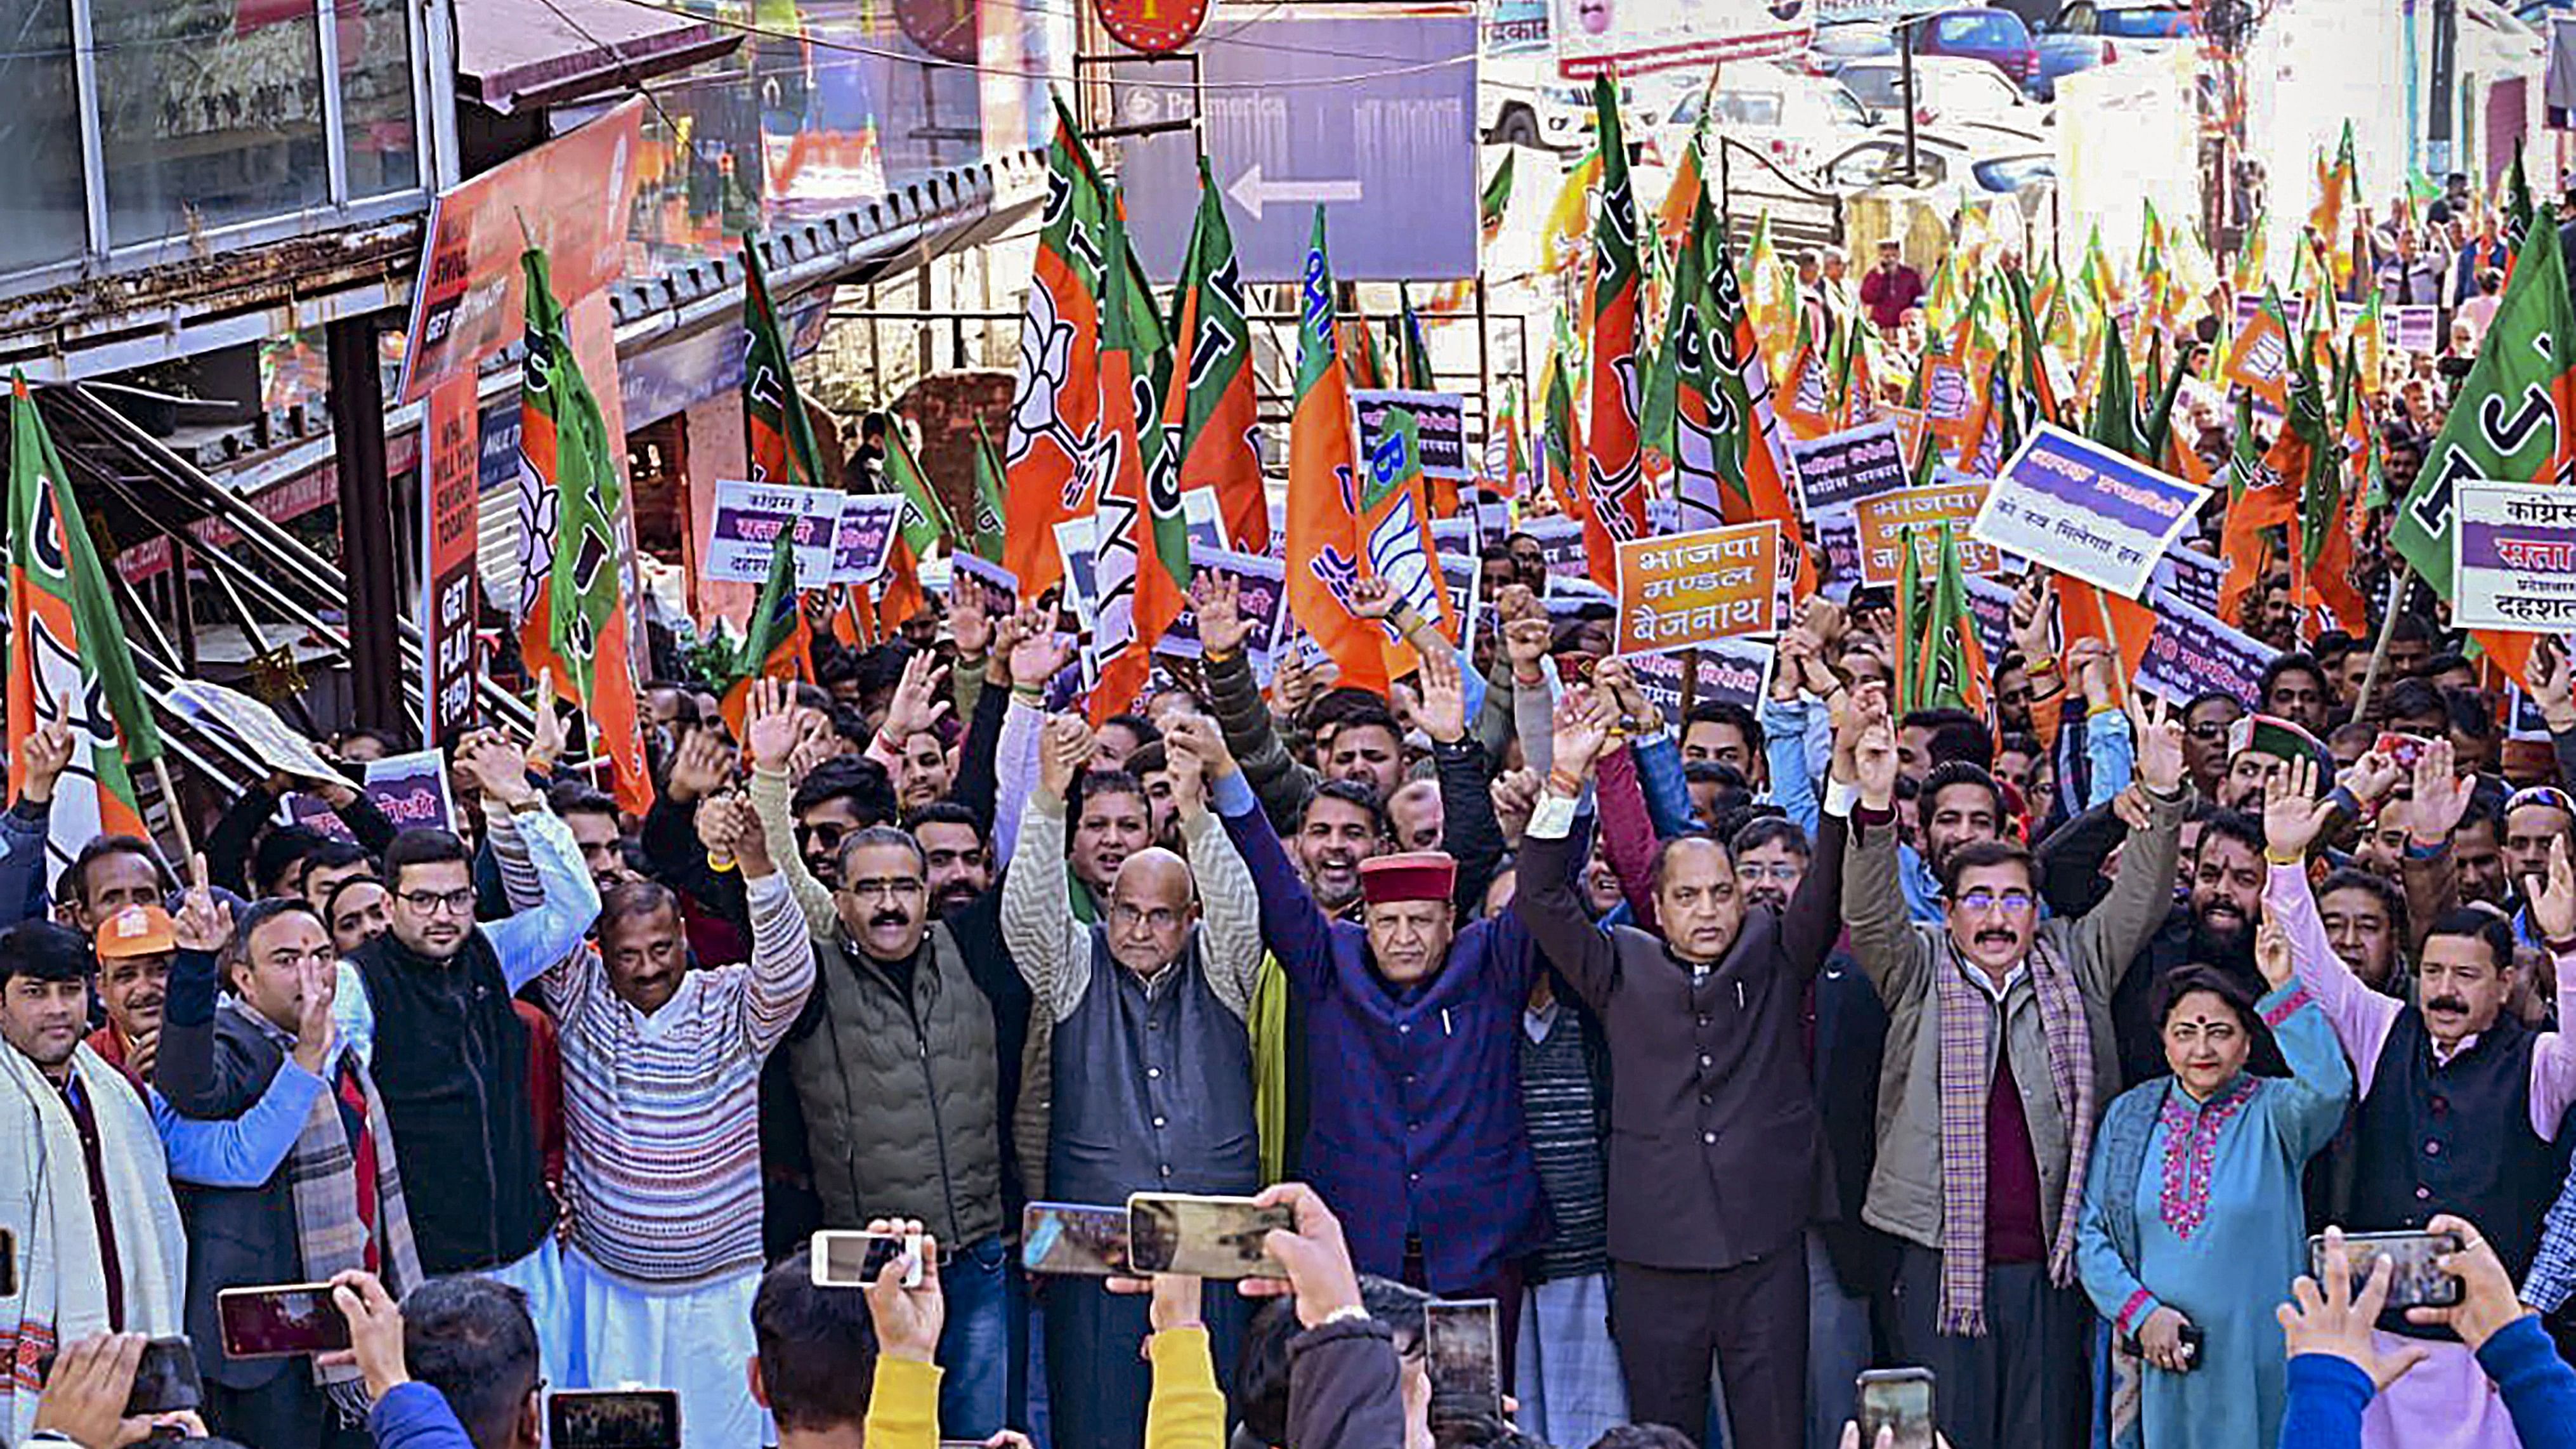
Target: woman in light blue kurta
pixel 2192 1210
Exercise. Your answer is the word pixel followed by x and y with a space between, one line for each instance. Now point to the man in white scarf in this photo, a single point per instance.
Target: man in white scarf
pixel 85 1175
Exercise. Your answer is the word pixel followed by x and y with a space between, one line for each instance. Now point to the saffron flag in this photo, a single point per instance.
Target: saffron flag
pixel 2260 360
pixel 1614 483
pixel 778 435
pixel 576 624
pixel 1212 408
pixel 1324 546
pixel 2257 500
pixel 68 662
pixel 1395 524
pixel 1055 398
pixel 1140 542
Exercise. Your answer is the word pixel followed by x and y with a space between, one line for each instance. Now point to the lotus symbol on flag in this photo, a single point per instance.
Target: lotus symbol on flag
pixel 1046 358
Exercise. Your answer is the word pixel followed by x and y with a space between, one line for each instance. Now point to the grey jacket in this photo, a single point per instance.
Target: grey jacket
pixel 1902 958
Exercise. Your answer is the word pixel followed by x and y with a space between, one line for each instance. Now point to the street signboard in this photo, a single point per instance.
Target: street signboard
pixel 1372 116
pixel 1632 37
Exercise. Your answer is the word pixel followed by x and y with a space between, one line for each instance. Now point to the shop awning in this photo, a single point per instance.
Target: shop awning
pixel 512 56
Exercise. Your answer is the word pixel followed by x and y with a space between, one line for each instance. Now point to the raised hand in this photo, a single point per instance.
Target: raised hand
pixel 816 741
pixel 1041 656
pixel 769 724
pixel 1188 767
pixel 2293 816
pixel 1443 711
pixel 546 737
pixel 2371 777
pixel 1515 796
pixel 318 982
pixel 722 822
pixel 1067 747
pixel 2159 745
pixel 1874 763
pixel 970 623
pixel 202 923
pixel 699 767
pixel 1525 644
pixel 2553 683
pixel 2272 954
pixel 1205 740
pixel 2441 795
pixel 46 753
pixel 499 766
pixel 919 699
pixel 1374 598
pixel 2034 618
pixel 1291 681
pixel 2553 909
pixel 1217 599
pixel 1864 710
pixel 1583 726
pixel 1009 632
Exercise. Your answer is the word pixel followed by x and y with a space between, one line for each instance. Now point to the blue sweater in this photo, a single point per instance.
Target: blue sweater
pixel 2327 1394
pixel 415 1416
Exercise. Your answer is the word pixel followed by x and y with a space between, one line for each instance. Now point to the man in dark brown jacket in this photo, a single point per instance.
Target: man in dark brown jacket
pixel 1714 1159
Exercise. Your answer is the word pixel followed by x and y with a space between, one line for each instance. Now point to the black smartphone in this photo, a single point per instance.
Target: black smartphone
pixel 1206 1237
pixel 8 1263
pixel 165 1380
pixel 2194 1339
pixel 841 1258
pixel 1073 1239
pixel 280 1321
pixel 2414 1281
pixel 613 1419
pixel 1463 1349
pixel 1898 1399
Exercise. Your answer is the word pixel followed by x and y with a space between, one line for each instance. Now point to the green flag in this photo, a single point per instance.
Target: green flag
pixel 2115 410
pixel 988 497
pixel 925 518
pixel 778 436
pixel 1497 197
pixel 1415 353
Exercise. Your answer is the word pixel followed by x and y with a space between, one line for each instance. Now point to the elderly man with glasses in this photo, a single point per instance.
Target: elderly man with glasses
pixel 2000 1052
pixel 428 1006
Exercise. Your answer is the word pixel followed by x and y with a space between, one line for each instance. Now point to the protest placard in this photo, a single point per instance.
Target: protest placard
pixel 1990 604
pixel 743 529
pixel 252 725
pixel 1840 469
pixel 862 538
pixel 1439 417
pixel 1560 542
pixel 1881 520
pixel 2079 508
pixel 2513 557
pixel 1073 541
pixel 1682 590
pixel 996 587
pixel 1456 537
pixel 2194 575
pixel 1838 534
pixel 1735 671
pixel 412 790
pixel 2192 653
pixel 2417 328
pixel 1203 516
pixel 1261 592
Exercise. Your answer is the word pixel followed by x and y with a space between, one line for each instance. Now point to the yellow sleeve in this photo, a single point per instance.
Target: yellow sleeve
pixel 1186 1411
pixel 903 1408
pixel 1268 1024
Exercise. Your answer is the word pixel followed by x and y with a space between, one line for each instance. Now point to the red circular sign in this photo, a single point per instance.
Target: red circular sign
pixel 948 29
pixel 1153 26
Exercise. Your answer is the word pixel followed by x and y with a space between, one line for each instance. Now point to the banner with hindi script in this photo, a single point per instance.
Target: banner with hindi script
pixel 2514 557
pixel 1882 520
pixel 1684 590
pixel 2083 509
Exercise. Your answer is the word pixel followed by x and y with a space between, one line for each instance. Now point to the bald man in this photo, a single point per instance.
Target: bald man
pixel 1153 1068
pixel 1413 812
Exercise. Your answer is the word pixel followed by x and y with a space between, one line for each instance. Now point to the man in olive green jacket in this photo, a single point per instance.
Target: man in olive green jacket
pixel 1981 1152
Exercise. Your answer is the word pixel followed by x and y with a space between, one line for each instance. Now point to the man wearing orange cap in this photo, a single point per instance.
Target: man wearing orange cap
pixel 135 947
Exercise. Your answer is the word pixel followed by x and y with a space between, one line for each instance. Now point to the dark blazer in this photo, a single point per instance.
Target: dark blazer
pixel 1714 1155
pixel 213 1065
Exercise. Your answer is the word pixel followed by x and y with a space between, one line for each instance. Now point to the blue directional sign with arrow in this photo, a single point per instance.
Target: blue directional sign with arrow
pixel 1372 116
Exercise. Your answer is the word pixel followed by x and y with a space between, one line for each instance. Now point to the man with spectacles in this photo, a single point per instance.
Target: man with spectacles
pixel 2000 1052
pixel 1153 1068
pixel 2205 722
pixel 432 1016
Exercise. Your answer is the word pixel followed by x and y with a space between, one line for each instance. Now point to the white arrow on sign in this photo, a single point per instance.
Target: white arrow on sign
pixel 1253 192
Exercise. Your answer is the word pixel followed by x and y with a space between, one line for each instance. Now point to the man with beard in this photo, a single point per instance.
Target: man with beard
pixel 2294 688
pixel 2212 927
pixel 2457 1104
pixel 1342 827
pixel 1152 1087
pixel 2000 1049
pixel 960 863
pixel 2365 919
pixel 1960 805
pixel 2535 821
pixel 1709 1198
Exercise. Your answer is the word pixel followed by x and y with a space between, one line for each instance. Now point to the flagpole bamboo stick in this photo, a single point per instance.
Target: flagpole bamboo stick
pixel 178 812
pixel 2387 632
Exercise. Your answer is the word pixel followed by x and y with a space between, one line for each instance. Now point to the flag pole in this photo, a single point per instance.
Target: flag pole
pixel 178 814
pixel 2387 632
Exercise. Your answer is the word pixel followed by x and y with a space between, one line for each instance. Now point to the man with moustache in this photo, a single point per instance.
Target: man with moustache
pixel 2457 1100
pixel 135 947
pixel 2212 926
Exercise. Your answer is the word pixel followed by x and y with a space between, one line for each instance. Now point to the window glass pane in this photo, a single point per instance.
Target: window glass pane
pixel 375 96
pixel 212 111
pixel 40 150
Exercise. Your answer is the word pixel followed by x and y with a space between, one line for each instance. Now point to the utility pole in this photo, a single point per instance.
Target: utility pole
pixel 1913 152
pixel 2438 131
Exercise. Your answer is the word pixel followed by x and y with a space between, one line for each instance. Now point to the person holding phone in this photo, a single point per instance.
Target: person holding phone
pixel 1153 1068
pixel 2192 1210
pixel 2457 1100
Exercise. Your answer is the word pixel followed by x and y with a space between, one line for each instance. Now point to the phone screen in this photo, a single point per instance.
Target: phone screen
pixel 165 1379
pixel 1073 1239
pixel 613 1419
pixel 845 1259
pixel 1462 1342
pixel 1206 1237
pixel 8 1263
pixel 2414 1280
pixel 276 1322
pixel 1898 1399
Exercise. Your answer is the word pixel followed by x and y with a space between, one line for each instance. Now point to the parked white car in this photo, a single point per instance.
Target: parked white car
pixel 1795 118
pixel 1946 88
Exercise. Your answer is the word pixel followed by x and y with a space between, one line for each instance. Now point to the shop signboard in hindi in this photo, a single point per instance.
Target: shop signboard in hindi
pixel 743 529
pixel 2513 557
pixel 2072 505
pixel 862 538
pixel 1882 522
pixel 1841 469
pixel 2193 653
pixel 1441 422
pixel 1684 590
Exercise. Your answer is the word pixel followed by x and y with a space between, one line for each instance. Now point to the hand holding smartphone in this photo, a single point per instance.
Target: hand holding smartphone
pixel 1898 1399
pixel 280 1321
pixel 613 1419
pixel 2415 1278
pixel 847 1258
pixel 1204 1237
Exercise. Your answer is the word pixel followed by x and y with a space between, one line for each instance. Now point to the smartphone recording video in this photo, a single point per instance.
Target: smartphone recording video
pixel 280 1321
pixel 1205 1237
pixel 613 1419
pixel 1073 1240
pixel 1899 1399
pixel 2414 1281
pixel 1463 1348
pixel 165 1381
pixel 844 1258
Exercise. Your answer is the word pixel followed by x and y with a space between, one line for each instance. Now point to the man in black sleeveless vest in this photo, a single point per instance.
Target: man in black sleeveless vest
pixel 1153 1069
pixel 450 1054
pixel 2458 1100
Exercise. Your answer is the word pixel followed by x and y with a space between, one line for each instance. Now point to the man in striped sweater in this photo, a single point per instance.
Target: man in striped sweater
pixel 661 1103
